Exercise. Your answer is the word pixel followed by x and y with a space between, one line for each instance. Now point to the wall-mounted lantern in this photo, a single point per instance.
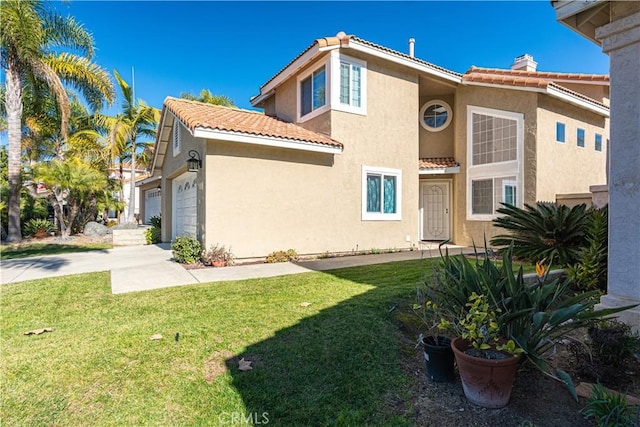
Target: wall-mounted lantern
pixel 194 163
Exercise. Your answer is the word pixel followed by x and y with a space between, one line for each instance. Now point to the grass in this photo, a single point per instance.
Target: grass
pixel 40 249
pixel 334 362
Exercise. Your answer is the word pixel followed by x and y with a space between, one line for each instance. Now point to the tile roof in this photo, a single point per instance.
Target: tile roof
pixel 194 114
pixel 534 79
pixel 437 163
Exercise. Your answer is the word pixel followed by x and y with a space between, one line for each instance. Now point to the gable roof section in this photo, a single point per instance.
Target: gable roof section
pixel 342 40
pixel 236 125
pixel 542 82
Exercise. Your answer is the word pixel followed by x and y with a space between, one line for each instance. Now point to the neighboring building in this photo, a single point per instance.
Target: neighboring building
pixel 362 147
pixel 615 25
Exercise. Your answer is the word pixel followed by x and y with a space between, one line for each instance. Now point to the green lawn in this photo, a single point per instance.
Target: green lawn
pixel 39 249
pixel 334 362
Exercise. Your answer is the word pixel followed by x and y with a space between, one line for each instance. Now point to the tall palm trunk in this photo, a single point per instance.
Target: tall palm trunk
pixel 13 101
pixel 132 183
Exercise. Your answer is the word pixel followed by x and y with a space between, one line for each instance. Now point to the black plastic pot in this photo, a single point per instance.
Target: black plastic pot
pixel 438 358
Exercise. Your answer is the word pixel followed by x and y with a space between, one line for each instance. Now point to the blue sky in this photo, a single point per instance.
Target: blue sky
pixel 231 48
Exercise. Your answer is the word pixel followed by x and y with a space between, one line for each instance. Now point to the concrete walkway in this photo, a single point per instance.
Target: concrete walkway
pixel 139 268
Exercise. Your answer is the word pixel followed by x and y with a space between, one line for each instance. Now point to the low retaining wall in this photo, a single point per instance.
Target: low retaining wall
pixel 131 237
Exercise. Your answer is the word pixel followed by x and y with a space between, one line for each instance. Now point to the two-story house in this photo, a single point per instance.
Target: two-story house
pixel 362 147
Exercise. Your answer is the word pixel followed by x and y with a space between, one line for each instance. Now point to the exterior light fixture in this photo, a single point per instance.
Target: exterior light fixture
pixel 194 163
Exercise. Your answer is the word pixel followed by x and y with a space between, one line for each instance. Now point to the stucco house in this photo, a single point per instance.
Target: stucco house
pixel 362 147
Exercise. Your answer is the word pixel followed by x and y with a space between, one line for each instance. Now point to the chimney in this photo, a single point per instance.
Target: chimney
pixel 412 43
pixel 525 63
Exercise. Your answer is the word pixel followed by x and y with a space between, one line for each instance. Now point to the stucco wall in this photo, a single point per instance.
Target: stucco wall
pixel 565 167
pixel 468 231
pixel 437 144
pixel 597 92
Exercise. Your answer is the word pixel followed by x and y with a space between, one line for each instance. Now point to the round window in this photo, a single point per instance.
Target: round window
pixel 435 115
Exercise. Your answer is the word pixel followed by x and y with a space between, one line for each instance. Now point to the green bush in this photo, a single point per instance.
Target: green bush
pixel 186 250
pixel 546 232
pixel 534 316
pixel 591 270
pixel 155 221
pixel 38 228
pixel 152 235
pixel 282 256
pixel 610 409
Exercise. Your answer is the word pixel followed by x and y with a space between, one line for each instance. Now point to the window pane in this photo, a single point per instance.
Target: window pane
pixel 344 83
pixel 389 194
pixel 559 132
pixel 505 190
pixel 305 96
pixel 318 88
pixel 494 139
pixel 482 196
pixel 598 142
pixel 355 85
pixel 373 193
pixel 580 138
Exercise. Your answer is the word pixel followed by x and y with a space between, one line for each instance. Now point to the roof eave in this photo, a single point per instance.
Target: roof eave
pixel 270 141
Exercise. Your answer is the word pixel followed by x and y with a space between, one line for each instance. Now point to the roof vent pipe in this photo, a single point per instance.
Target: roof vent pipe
pixel 412 43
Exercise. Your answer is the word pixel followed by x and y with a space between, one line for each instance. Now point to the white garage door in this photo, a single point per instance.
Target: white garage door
pixel 151 204
pixel 185 202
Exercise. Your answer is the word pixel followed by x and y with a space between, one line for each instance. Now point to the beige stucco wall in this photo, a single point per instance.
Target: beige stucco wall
pixel 567 168
pixel 261 199
pixel 468 231
pixel 437 144
pixel 594 91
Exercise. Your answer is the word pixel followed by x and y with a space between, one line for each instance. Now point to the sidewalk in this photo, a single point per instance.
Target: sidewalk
pixel 139 268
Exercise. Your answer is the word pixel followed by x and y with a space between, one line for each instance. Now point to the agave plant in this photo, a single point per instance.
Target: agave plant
pixel 547 231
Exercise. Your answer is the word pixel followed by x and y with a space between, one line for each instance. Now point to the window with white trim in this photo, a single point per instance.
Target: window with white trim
pixel 495 141
pixel 348 84
pixel 177 137
pixel 381 194
pixel 435 115
pixel 598 140
pixel 580 137
pixel 313 91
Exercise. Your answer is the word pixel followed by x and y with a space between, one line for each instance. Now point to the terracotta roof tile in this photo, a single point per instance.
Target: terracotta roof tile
pixel 577 78
pixel 195 114
pixel 437 163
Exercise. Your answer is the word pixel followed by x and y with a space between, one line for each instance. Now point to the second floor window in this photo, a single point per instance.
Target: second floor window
pixel 350 84
pixel 580 137
pixel 559 131
pixel 598 142
pixel 313 91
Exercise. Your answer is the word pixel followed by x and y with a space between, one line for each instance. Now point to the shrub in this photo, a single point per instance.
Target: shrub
pixel 534 316
pixel 610 409
pixel 591 271
pixel 155 221
pixel 186 250
pixel 218 253
pixel 38 228
pixel 282 256
pixel 546 232
pixel 152 235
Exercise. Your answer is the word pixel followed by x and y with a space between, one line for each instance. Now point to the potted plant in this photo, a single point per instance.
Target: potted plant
pixel 438 355
pixel 218 256
pixel 487 362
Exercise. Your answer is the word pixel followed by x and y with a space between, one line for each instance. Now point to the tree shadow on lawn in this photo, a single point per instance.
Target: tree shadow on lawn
pixel 338 367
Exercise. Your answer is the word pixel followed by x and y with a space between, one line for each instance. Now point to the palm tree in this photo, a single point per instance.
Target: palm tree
pixel 30 43
pixel 136 119
pixel 207 97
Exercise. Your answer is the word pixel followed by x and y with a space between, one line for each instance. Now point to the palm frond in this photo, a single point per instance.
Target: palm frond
pixel 66 32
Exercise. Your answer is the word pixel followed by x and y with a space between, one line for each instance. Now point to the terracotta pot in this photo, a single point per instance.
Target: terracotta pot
pixel 486 382
pixel 438 358
pixel 219 263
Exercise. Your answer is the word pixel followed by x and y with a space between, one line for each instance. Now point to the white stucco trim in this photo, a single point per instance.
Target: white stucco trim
pixel 439 171
pixel 270 141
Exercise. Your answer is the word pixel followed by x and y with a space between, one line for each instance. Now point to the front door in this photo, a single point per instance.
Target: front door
pixel 436 210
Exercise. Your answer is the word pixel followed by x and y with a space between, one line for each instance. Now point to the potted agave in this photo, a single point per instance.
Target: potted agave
pixel 438 355
pixel 487 363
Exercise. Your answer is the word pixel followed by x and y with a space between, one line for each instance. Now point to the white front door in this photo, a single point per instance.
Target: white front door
pixel 436 210
pixel 185 202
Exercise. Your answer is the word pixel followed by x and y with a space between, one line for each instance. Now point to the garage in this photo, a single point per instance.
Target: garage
pixel 185 202
pixel 151 204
